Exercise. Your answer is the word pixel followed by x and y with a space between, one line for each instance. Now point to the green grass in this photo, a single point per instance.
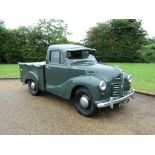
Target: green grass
pixel 9 70
pixel 143 74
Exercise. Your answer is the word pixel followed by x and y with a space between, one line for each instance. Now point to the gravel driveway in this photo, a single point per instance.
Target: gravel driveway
pixel 22 113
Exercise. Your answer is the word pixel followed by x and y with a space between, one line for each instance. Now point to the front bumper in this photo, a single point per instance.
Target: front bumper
pixel 113 101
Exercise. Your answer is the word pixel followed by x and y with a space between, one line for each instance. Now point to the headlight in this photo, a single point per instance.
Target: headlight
pixel 102 85
pixel 130 78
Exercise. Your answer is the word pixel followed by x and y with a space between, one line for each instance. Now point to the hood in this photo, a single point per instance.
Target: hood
pixel 102 71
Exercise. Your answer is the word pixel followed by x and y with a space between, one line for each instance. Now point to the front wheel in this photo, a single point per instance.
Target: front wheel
pixel 33 88
pixel 84 102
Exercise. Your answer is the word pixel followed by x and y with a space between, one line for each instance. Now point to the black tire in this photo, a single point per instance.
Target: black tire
pixel 90 109
pixel 34 91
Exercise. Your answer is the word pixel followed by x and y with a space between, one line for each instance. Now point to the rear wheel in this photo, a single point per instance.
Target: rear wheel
pixel 33 88
pixel 84 102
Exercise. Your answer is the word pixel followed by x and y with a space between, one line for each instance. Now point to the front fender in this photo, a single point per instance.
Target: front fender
pixel 90 82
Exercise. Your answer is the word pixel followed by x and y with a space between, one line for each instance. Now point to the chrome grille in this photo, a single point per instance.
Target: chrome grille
pixel 116 89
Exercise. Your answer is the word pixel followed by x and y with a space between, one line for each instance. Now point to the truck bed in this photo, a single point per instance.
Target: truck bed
pixel 36 64
pixel 35 71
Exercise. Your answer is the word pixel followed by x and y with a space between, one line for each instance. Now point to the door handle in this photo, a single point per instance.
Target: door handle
pixel 47 67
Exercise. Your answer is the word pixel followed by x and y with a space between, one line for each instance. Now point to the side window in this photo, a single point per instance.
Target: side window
pixel 54 57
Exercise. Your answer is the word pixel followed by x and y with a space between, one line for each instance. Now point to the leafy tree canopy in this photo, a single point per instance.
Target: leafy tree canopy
pixel 117 39
pixel 30 43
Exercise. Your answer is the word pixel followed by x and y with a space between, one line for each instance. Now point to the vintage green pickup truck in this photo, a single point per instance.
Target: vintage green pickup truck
pixel 72 72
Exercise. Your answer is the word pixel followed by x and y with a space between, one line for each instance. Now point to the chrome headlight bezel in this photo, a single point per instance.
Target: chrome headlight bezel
pixel 102 85
pixel 129 78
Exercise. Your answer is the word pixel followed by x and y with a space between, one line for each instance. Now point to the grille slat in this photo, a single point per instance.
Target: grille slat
pixel 116 89
pixel 117 86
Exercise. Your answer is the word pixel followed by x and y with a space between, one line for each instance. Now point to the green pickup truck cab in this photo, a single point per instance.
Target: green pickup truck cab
pixel 72 72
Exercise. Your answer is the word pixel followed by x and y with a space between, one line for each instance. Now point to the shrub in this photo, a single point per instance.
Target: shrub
pixel 147 53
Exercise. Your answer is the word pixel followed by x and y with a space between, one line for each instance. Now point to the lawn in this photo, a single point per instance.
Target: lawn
pixel 9 70
pixel 143 74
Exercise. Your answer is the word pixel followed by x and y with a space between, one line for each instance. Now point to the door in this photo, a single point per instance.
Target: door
pixel 57 72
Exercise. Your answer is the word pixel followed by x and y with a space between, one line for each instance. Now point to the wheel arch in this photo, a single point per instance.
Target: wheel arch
pixel 75 88
pixel 89 82
pixel 31 76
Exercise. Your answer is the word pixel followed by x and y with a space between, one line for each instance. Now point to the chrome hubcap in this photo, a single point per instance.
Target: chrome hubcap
pixel 84 101
pixel 33 86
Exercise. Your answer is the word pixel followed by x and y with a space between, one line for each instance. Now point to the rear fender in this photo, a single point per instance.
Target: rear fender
pixel 31 76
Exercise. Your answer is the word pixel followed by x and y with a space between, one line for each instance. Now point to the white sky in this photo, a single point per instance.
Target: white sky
pixel 78 14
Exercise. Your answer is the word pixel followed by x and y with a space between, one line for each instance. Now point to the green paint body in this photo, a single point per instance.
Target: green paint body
pixel 64 79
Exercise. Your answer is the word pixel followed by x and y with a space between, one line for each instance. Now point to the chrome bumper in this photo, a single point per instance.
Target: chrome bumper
pixel 113 101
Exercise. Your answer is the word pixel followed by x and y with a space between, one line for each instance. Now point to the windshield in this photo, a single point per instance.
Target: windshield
pixel 82 55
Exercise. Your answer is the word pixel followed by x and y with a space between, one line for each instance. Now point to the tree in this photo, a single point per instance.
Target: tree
pixel 98 37
pixel 53 31
pixel 3 38
pixel 18 45
pixel 30 43
pixel 117 39
pixel 147 53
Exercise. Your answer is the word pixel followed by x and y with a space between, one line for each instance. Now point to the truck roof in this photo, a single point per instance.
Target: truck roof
pixel 67 47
